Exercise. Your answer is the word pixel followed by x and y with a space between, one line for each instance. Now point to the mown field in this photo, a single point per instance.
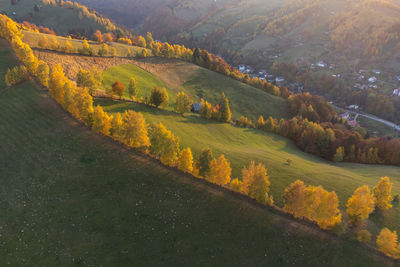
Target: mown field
pixel 202 83
pixel 70 197
pixel 32 38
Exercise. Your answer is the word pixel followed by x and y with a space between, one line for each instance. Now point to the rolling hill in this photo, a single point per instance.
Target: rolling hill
pixel 64 20
pixel 73 197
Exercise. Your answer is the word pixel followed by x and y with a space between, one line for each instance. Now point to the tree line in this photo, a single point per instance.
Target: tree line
pixel 130 128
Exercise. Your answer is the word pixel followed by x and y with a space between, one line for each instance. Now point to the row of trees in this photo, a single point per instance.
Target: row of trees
pixel 221 112
pixel 131 128
pixel 332 141
pixel 16 75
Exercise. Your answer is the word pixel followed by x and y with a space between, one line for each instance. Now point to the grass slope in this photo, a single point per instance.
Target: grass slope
pixel 241 146
pixel 71 197
pixel 202 83
pixel 62 20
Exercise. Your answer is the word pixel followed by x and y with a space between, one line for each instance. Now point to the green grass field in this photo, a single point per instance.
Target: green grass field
pixel 202 83
pixel 70 197
pixel 32 38
pixel 145 81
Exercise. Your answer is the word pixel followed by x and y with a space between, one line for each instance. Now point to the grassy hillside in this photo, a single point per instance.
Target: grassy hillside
pixel 32 38
pixel 62 20
pixel 202 83
pixel 71 197
pixel 243 145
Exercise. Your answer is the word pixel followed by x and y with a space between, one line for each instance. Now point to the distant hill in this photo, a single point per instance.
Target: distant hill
pixel 66 18
pixel 349 34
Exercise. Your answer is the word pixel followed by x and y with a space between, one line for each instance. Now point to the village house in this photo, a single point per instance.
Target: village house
pixel 372 79
pixel 196 107
pixel 353 107
pixel 396 92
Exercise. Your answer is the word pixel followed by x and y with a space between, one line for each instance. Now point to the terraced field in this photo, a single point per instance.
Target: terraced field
pixel 72 197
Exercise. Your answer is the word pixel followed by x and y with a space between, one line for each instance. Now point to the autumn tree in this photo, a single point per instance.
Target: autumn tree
pixel 16 75
pixel 295 199
pixel 256 183
pixel 204 161
pixel 141 41
pixel 89 79
pixel 104 50
pixel 117 127
pixel 53 43
pixel 236 185
pixel 220 171
pixel 382 193
pixel 225 113
pixel 159 97
pixel 68 47
pixel 149 40
pixel 164 144
pixel 360 205
pixel 260 122
pixel 43 42
pixel 387 243
pixel 314 203
pixel 98 36
pixel 206 110
pixel 56 83
pixel 101 121
pixel 108 37
pixel 134 130
pixel 185 160
pixel 183 103
pixel 43 73
pixel 339 155
pixel 132 88
pixel 84 104
pixel 86 49
pixel 118 89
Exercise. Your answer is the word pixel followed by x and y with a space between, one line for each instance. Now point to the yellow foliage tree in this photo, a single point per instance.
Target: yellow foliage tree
pixel 183 103
pixel 84 104
pixel 164 144
pixel 134 131
pixel 387 243
pixel 295 198
pixel 117 127
pixel 56 83
pixel 101 121
pixel 43 42
pixel 43 73
pixel 361 204
pixel 236 185
pixel 256 183
pixel 314 203
pixel 382 193
pixel 185 160
pixel 220 171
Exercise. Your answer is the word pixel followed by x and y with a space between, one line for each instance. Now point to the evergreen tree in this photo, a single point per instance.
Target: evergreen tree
pixel 224 109
pixel 204 162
